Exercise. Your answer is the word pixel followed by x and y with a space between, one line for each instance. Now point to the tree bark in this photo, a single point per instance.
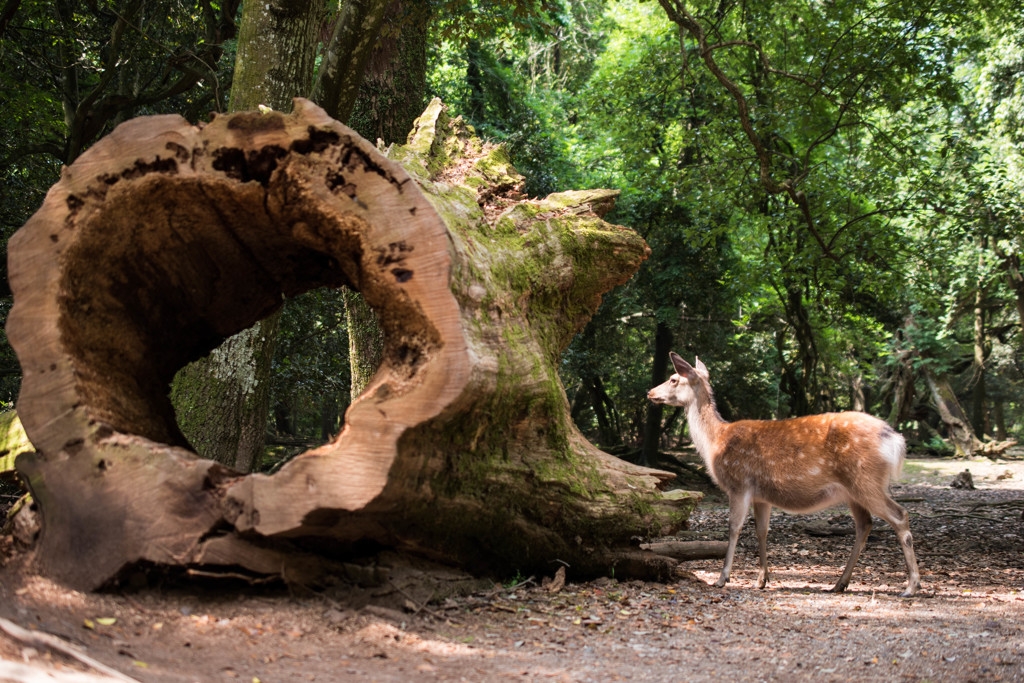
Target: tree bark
pixel 365 341
pixel 959 427
pixel 164 239
pixel 276 51
pixel 392 93
pixel 391 97
pixel 356 30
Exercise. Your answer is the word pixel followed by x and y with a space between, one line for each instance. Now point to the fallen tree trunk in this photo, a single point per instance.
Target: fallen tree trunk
pixel 166 238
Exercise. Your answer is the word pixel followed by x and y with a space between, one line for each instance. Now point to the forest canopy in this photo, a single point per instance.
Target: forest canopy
pixel 832 191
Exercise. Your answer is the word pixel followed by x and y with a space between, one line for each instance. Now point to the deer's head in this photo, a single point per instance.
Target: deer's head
pixel 683 387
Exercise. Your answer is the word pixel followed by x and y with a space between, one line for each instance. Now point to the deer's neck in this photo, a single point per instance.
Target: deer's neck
pixel 706 427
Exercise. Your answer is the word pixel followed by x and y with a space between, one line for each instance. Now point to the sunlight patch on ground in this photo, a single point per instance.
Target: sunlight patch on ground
pixel 388 635
pixel 52 593
pixel 1004 474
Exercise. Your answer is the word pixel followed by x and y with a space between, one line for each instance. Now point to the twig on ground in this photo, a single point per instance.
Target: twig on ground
pixel 39 639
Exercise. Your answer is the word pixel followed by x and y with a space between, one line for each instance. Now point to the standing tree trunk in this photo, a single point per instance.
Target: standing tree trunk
pixel 164 239
pixel 391 96
pixel 901 384
pixel 979 399
pixel 276 51
pixel 1015 281
pixel 960 431
pixel 652 425
pixel 365 341
pixel 392 93
pixel 999 419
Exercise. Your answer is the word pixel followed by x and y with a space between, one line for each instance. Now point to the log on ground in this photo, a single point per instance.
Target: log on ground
pixel 166 238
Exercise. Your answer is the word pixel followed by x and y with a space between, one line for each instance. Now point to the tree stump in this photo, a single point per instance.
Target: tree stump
pixel 166 238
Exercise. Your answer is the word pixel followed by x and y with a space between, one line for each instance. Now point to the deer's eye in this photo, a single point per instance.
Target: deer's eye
pixel 674 380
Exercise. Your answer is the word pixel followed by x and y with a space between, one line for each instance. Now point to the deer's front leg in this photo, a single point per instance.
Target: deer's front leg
pixel 738 505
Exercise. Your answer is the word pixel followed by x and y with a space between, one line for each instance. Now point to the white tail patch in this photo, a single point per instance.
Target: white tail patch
pixel 894 449
pixel 801 465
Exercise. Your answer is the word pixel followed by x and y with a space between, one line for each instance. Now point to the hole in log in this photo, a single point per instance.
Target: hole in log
pixel 155 247
pixel 165 270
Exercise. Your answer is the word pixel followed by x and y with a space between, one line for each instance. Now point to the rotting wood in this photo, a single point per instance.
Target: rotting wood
pixel 166 238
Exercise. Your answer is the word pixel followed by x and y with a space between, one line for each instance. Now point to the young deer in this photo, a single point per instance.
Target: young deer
pixel 801 464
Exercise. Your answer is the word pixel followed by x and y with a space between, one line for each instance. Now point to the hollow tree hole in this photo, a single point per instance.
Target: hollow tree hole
pixel 168 267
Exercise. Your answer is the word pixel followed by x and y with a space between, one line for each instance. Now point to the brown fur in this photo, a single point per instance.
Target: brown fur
pixel 801 465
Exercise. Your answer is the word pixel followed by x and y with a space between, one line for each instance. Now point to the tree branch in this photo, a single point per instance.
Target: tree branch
pixel 678 14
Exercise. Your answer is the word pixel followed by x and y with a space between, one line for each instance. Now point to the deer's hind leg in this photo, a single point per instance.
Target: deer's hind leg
pixel 762 513
pixel 862 522
pixel 899 520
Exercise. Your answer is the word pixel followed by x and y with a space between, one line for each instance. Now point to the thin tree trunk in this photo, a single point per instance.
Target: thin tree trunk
pixel 1000 419
pixel 902 387
pixel 857 398
pixel 652 425
pixel 328 417
pixel 979 410
pixel 604 412
pixel 1015 280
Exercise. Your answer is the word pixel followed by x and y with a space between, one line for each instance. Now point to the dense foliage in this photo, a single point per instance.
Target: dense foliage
pixel 832 192
pixel 829 190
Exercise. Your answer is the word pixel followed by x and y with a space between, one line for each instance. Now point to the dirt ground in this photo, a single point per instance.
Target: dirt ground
pixel 966 624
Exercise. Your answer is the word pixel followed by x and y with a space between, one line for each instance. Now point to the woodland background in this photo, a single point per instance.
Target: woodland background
pixel 831 190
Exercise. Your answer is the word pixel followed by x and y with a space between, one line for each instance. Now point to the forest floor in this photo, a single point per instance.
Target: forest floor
pixel 966 623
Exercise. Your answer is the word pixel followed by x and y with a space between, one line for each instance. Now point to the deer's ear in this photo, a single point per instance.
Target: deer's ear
pixel 681 366
pixel 701 369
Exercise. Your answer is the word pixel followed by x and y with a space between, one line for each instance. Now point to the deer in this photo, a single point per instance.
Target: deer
pixel 800 464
